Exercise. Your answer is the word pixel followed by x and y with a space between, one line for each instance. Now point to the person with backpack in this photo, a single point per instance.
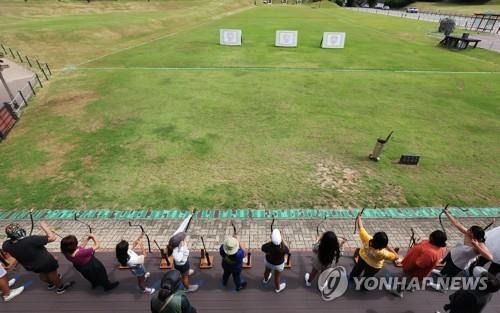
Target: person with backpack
pixel 135 262
pixel 85 262
pixel 30 252
pixel 463 253
pixel 372 254
pixel 326 253
pixel 169 299
pixel 475 300
pixel 5 284
pixel 232 252
pixel 275 251
pixel 178 249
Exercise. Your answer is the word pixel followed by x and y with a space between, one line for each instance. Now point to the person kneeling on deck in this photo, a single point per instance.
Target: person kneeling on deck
pixel 84 261
pixel 232 253
pixel 169 299
pixel 275 251
pixel 326 254
pixel 493 244
pixel 372 254
pixel 5 284
pixel 177 247
pixel 422 258
pixel 31 253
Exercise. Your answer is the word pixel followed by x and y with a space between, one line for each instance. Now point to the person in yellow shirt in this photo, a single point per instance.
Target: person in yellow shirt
pixel 372 254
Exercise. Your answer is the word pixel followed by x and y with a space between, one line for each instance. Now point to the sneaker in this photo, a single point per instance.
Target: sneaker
pixel 192 288
pixel 242 286
pixel 190 272
pixel 146 276
pixel 282 286
pixel 396 293
pixel 306 278
pixel 265 281
pixel 112 286
pixel 64 287
pixel 50 286
pixel 149 291
pixel 435 286
pixel 13 293
pixel 436 272
pixel 11 283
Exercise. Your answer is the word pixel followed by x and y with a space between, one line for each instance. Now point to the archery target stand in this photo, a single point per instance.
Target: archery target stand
pixel 288 261
pixel 286 38
pixel 247 261
pixel 333 40
pixel 164 265
pixel 230 37
pixel 203 261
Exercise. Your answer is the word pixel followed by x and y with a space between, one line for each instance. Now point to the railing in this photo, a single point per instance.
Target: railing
pixel 14 54
pixel 469 22
pixel 22 95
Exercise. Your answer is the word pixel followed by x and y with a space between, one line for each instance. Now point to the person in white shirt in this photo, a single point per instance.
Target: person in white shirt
pixel 178 249
pixel 134 261
pixel 493 244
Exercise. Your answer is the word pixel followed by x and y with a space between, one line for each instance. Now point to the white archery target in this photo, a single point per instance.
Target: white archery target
pixel 333 40
pixel 286 38
pixel 230 37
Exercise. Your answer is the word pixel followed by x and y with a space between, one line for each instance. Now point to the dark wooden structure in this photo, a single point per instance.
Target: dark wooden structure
pixel 459 43
pixel 7 120
pixel 213 298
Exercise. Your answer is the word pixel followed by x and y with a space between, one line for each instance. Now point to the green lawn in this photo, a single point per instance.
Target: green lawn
pixel 491 6
pixel 182 121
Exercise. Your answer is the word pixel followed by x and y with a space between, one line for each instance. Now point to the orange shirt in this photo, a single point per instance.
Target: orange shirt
pixel 422 258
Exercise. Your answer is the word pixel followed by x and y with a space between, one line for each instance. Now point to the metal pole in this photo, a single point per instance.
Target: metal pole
pixel 38 79
pixel 29 62
pixel 12 53
pixel 32 89
pixel 48 69
pixel 44 74
pixel 3 48
pixel 20 58
pixel 39 65
pixel 24 99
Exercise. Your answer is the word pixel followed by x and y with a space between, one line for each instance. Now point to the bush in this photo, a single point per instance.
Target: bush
pixel 340 3
pixel 398 3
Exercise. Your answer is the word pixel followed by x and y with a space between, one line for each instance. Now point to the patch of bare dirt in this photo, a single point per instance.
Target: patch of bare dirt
pixel 344 186
pixel 71 103
pixel 57 151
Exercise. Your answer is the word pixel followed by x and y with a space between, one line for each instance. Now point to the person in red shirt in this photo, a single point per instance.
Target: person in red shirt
pixel 423 257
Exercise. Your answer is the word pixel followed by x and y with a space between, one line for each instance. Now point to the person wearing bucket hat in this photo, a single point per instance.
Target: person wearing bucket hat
pixel 232 252
pixel 31 253
pixel 275 251
pixel 169 299
pixel 178 249
pixel 464 252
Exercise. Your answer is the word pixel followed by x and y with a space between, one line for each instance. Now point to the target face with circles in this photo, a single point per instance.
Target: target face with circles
pixel 230 37
pixel 286 38
pixel 333 40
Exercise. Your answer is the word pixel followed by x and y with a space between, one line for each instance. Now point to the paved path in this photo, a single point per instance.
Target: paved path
pixel 301 233
pixel 490 41
pixel 213 298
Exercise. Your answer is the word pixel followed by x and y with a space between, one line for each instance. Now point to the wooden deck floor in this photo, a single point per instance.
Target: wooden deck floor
pixel 213 298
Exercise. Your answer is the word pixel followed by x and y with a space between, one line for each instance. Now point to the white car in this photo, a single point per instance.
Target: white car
pixel 386 7
pixel 379 6
pixel 411 10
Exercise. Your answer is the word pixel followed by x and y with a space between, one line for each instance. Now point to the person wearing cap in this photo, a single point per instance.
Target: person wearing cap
pixel 178 249
pixel 232 252
pixel 169 299
pixel 5 284
pixel 493 244
pixel 464 252
pixel 275 251
pixel 422 258
pixel 31 253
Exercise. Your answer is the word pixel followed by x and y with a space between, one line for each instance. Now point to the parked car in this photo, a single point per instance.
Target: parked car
pixel 411 10
pixel 379 6
pixel 366 5
pixel 386 7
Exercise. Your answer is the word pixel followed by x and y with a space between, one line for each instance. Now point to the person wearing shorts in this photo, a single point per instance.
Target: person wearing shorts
pixel 135 262
pixel 326 253
pixel 31 253
pixel 275 251
pixel 178 248
pixel 5 284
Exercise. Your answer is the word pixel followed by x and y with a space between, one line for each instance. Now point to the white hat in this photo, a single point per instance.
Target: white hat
pixel 276 237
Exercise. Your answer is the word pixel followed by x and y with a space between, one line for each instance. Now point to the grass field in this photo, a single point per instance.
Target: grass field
pixel 147 110
pixel 491 6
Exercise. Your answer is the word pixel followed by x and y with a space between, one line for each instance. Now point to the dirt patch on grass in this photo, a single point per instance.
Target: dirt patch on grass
pixel 57 151
pixel 71 103
pixel 344 186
